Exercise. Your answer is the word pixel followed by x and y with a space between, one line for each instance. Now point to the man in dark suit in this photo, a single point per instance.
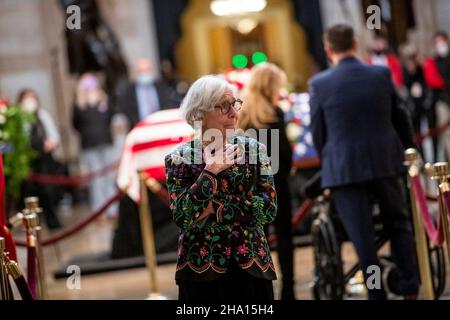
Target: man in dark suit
pixel 145 95
pixel 136 101
pixel 362 154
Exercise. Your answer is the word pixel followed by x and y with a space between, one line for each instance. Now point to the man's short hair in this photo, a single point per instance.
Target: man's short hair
pixel 340 38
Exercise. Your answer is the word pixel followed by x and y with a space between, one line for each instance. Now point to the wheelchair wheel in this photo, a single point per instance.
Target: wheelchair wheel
pixel 328 271
pixel 438 270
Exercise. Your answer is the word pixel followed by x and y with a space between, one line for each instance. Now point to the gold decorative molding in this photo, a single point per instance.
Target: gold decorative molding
pixel 206 45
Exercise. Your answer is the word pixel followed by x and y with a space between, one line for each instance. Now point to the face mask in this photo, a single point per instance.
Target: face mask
pixel 379 52
pixel 442 49
pixel 145 78
pixel 30 105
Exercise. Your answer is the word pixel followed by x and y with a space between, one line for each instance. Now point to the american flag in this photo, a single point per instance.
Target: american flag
pixel 298 120
pixel 146 146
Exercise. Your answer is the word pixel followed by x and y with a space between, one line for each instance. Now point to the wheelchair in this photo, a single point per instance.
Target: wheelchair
pixel 328 235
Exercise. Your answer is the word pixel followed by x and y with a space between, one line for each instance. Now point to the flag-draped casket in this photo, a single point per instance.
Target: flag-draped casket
pixel 146 146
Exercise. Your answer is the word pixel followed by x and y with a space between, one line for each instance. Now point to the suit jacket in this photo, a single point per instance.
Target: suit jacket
pixel 127 101
pixel 352 112
pixel 93 124
pixel 244 200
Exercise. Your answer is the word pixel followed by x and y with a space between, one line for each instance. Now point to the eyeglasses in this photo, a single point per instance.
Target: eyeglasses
pixel 226 106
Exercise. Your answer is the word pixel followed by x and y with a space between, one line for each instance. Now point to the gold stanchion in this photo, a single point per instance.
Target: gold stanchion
pixel 413 162
pixel 5 289
pixel 31 220
pixel 440 173
pixel 148 239
pixel 14 271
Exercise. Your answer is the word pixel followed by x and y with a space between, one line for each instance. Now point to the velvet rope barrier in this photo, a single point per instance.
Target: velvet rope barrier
pixel 432 133
pixel 23 289
pixel 301 213
pixel 447 202
pixel 31 270
pixel 74 229
pixel 14 271
pixel 434 232
pixel 71 181
pixel 157 188
pixel 432 198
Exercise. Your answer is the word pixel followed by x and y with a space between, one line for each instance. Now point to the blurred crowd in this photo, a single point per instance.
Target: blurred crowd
pixel 101 120
pixel 422 82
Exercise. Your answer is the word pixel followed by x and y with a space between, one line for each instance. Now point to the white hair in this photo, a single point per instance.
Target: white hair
pixel 205 93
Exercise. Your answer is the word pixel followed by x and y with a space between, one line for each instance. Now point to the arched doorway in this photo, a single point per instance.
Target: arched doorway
pixel 209 42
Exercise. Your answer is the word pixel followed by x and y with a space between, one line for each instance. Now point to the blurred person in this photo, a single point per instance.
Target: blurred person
pixel 140 98
pixel 44 138
pixel 418 93
pixel 414 81
pixel 168 75
pixel 170 78
pixel 437 68
pixel 145 95
pixel 437 77
pixel 221 195
pixel 92 119
pixel 355 131
pixel 260 110
pixel 381 55
pixel 119 131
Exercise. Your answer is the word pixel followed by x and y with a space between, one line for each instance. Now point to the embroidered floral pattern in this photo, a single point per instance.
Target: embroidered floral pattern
pixel 244 200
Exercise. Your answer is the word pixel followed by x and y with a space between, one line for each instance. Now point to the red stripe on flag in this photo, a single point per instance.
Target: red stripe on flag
pixel 157 123
pixel 157 173
pixel 157 143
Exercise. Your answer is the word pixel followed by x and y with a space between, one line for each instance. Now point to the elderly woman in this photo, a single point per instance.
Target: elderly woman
pixel 221 196
pixel 91 117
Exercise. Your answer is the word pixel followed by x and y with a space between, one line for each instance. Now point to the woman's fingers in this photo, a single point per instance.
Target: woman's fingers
pixel 225 157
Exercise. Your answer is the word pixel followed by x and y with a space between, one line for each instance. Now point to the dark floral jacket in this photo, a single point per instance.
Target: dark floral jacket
pixel 244 200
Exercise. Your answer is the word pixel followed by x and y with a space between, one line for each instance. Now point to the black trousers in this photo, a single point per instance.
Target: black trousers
pixel 431 118
pixel 283 230
pixel 354 209
pixel 237 285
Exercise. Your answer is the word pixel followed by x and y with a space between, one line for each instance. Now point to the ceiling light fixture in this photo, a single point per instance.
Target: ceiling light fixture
pixel 233 7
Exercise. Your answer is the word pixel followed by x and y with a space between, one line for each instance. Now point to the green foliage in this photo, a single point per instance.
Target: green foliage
pixel 15 125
